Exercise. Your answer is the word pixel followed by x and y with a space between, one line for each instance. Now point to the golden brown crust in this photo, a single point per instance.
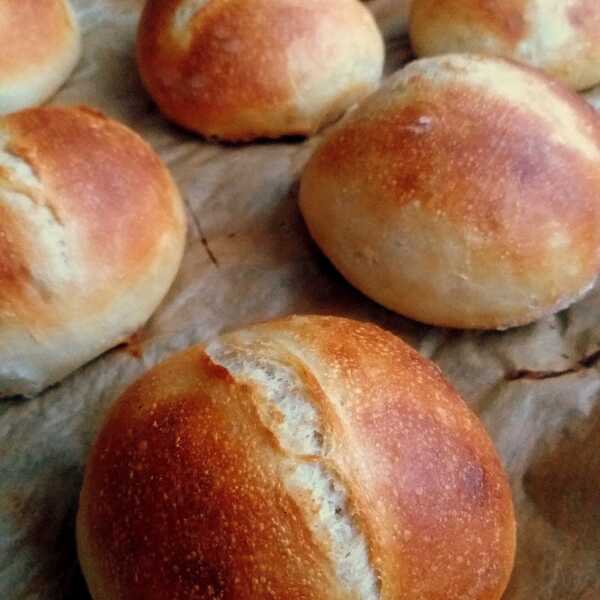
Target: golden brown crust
pixel 494 175
pixel 184 496
pixel 90 214
pixel 561 38
pixel 230 70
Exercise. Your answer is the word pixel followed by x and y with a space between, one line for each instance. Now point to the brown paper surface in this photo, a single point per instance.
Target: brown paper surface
pixel 248 258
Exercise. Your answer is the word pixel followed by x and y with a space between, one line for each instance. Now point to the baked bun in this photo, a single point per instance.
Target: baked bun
pixel 464 193
pixel 561 37
pixel 91 236
pixel 246 69
pixel 310 457
pixel 40 48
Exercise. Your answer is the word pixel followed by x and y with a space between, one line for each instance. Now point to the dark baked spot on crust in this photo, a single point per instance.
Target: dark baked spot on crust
pixel 475 485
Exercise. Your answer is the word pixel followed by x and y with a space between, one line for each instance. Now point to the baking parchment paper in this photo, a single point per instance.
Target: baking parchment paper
pixel 249 258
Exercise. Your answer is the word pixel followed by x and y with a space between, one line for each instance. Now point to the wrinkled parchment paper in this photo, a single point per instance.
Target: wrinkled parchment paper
pixel 248 258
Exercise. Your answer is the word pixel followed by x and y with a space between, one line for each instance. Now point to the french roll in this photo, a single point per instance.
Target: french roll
pixel 245 69
pixel 92 231
pixel 562 37
pixel 464 193
pixel 40 48
pixel 308 457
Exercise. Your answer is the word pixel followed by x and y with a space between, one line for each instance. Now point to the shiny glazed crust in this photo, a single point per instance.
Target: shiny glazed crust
pixel 464 193
pixel 40 47
pixel 245 69
pixel 91 236
pixel 561 37
pixel 186 492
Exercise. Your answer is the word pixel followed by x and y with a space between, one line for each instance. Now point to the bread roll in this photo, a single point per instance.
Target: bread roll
pixel 561 37
pixel 91 236
pixel 309 457
pixel 465 193
pixel 40 48
pixel 245 69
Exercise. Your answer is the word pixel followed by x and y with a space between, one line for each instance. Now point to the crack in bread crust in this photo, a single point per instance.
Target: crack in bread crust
pixel 22 193
pixel 286 410
pixel 15 172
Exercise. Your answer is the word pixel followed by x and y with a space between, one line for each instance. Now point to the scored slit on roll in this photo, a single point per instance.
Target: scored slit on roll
pixel 21 191
pixel 310 457
pixel 287 411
